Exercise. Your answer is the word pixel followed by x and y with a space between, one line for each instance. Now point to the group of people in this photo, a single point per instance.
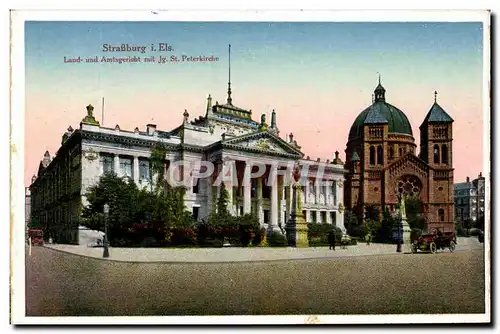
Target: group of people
pixel 332 238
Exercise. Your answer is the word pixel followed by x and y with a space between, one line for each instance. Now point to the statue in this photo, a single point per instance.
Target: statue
pixel 90 110
pixel 263 119
pixel 90 119
pixel 402 207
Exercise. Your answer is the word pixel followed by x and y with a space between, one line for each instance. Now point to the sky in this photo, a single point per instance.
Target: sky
pixel 317 76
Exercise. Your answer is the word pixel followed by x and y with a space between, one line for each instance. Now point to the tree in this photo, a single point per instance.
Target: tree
pixel 372 212
pixel 223 201
pixel 121 196
pixel 384 234
pixel 157 164
pixel 414 213
pixel 351 221
pixel 371 226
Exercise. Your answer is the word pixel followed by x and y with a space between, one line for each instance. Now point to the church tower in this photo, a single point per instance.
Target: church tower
pixel 436 137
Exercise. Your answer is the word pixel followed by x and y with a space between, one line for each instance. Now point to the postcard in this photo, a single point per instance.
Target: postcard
pixel 318 167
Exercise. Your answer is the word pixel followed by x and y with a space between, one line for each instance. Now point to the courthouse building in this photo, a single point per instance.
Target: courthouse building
pixel 225 135
pixel 382 159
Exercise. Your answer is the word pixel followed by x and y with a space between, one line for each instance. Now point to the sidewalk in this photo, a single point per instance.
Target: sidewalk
pixel 211 255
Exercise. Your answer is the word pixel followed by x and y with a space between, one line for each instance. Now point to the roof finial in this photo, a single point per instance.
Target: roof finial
pixel 229 99
pixel 378 78
pixel 435 96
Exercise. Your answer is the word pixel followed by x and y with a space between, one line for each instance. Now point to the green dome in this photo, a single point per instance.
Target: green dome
pixel 381 112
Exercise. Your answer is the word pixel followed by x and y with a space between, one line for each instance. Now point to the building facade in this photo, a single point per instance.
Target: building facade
pixel 382 160
pixel 469 200
pixel 226 137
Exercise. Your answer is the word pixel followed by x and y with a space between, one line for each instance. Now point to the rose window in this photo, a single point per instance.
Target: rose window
pixel 409 186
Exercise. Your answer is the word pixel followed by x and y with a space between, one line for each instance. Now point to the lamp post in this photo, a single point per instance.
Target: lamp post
pixel 105 241
pixel 398 247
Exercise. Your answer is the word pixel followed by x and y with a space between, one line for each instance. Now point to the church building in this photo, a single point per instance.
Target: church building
pixel 383 163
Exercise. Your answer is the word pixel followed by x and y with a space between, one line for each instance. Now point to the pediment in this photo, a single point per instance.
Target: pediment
pixel 408 164
pixel 262 142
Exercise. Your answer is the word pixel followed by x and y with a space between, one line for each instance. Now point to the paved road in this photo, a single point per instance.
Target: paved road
pixel 239 254
pixel 63 284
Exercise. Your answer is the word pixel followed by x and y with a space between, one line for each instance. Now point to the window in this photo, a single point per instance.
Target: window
pixel 195 187
pixel 400 151
pixel 380 155
pixel 107 164
pixel 391 152
pixel 126 167
pixel 195 213
pixel 436 154
pixel 441 215
pixel 372 155
pixel 444 154
pixel 143 170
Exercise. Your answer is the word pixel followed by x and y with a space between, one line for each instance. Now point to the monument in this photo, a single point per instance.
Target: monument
pixel 402 230
pixel 296 226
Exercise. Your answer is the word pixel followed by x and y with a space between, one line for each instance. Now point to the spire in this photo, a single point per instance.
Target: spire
pixel 229 99
pixel 273 119
pixel 435 96
pixel 379 91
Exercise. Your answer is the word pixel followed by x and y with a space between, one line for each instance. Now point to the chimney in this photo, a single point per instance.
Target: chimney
pixel 467 179
pixel 290 137
pixel 336 155
pixel 480 174
pixel 151 128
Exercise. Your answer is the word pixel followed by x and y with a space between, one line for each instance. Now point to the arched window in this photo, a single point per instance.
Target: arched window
pixel 391 152
pixel 372 155
pixel 380 155
pixel 436 154
pixel 444 154
pixel 441 215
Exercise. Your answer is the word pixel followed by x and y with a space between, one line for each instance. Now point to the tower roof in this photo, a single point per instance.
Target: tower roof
pixel 437 114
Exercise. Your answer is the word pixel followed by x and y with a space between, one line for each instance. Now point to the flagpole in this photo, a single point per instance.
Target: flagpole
pixel 102 111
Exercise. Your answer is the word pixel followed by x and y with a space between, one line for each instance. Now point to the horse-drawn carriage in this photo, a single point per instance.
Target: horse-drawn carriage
pixel 434 241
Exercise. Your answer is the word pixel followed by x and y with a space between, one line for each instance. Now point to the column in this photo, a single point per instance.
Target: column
pixel 317 190
pixel 229 187
pixel 260 211
pixel 280 200
pixel 247 188
pixel 308 192
pixel 116 160
pixel 136 170
pixel 273 208
pixel 334 192
pixel 288 199
pixel 328 217
pixel 318 216
pixel 209 194
pixel 338 193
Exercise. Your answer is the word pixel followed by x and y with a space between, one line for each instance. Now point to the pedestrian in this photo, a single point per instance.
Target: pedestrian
pixel 331 239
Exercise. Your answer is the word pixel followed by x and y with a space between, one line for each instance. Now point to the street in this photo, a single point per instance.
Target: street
pixel 63 284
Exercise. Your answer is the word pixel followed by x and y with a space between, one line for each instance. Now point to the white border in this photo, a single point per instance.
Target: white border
pixel 17 150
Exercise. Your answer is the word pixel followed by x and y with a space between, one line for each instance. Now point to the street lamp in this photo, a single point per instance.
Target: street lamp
pixel 398 247
pixel 105 241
